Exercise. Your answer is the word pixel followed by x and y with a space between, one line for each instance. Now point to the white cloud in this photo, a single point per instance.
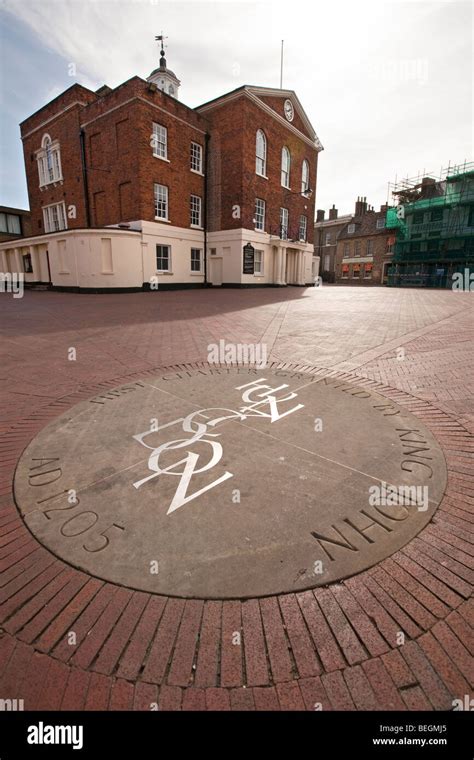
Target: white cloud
pixel 386 85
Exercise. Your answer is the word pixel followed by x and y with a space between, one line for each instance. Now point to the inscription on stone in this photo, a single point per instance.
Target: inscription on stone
pixel 219 480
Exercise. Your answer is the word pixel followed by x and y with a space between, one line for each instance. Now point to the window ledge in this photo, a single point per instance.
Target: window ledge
pixel 263 176
pixel 167 273
pixel 195 171
pixel 196 227
pixel 160 219
pixel 257 230
pixel 162 158
pixel 196 274
pixel 53 182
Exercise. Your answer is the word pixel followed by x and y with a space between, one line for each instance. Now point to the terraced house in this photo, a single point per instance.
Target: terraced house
pixel 131 189
pixel 364 247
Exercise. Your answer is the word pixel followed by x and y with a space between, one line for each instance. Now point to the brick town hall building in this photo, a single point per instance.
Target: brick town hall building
pixel 129 188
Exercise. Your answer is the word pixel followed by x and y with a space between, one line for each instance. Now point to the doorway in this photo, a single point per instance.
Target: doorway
pixel 215 270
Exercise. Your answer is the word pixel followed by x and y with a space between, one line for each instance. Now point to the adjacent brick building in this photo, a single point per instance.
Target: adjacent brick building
pixel 185 189
pixel 14 223
pixel 364 248
pixel 326 235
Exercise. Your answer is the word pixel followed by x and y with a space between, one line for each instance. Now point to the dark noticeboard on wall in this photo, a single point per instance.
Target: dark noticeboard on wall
pixel 249 259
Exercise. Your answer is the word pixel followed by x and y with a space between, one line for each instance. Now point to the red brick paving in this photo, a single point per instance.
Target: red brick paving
pixel 334 648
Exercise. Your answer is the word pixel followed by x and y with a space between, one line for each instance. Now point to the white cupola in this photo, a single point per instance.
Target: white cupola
pixel 164 78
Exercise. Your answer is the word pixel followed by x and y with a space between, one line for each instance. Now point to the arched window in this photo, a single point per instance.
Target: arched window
pixel 171 89
pixel 49 162
pixel 49 159
pixel 261 153
pixel 305 177
pixel 285 167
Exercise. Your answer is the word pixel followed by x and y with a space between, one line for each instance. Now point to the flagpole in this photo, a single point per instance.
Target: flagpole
pixel 281 66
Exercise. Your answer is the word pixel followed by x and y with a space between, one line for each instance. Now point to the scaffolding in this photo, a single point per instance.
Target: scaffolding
pixel 433 219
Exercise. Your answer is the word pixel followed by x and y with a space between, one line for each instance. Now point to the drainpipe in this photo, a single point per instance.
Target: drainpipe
pixel 206 170
pixel 84 177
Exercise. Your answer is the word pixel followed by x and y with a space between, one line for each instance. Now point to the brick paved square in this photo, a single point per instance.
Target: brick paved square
pixel 393 636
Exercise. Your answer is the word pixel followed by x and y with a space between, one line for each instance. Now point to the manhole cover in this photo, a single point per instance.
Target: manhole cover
pixel 230 482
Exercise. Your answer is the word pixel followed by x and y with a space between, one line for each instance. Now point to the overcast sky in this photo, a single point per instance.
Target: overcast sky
pixel 386 85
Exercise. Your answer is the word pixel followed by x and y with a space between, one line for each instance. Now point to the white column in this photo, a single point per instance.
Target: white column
pixel 283 266
pixel 18 261
pixel 300 268
pixel 4 262
pixel 35 263
pixel 278 265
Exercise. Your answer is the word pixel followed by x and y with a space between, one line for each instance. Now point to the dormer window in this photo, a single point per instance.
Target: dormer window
pixel 49 162
pixel 351 229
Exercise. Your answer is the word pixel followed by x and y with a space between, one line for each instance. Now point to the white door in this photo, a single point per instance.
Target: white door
pixel 215 273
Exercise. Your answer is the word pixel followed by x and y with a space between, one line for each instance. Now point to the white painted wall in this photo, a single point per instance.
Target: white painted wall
pixel 81 259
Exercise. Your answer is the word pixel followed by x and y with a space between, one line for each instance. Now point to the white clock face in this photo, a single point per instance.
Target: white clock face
pixel 289 112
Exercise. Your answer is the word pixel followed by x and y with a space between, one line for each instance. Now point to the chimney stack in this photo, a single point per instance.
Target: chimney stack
pixel 333 212
pixel 360 206
pixel 384 207
pixel 320 215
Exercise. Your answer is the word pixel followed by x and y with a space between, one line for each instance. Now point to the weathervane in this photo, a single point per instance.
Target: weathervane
pixel 161 38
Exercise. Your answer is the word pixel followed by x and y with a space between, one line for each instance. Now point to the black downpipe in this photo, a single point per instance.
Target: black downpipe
pixel 84 177
pixel 206 170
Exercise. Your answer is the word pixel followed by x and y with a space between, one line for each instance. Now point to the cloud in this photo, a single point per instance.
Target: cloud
pixel 384 84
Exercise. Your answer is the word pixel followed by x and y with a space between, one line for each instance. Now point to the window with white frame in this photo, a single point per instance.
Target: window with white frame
pixel 196 157
pixel 351 229
pixel 195 207
pixel 369 248
pixel 163 258
pixel 260 153
pixel 284 223
pixel 259 214
pixel 380 223
pixel 328 238
pixel 196 260
pixel 305 177
pixel 285 167
pixel 258 262
pixel 303 228
pixel 160 141
pixel 54 217
pixel 49 162
pixel 161 202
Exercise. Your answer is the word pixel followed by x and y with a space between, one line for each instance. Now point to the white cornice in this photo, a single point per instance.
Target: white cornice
pixel 148 103
pixel 247 92
pixel 59 113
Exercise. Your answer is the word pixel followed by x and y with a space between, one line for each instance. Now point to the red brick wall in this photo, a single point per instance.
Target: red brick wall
pixel 233 128
pixel 225 180
pixel 177 174
pixel 122 170
pixel 65 128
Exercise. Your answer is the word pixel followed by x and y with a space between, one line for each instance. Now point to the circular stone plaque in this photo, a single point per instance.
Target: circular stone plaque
pixel 230 482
